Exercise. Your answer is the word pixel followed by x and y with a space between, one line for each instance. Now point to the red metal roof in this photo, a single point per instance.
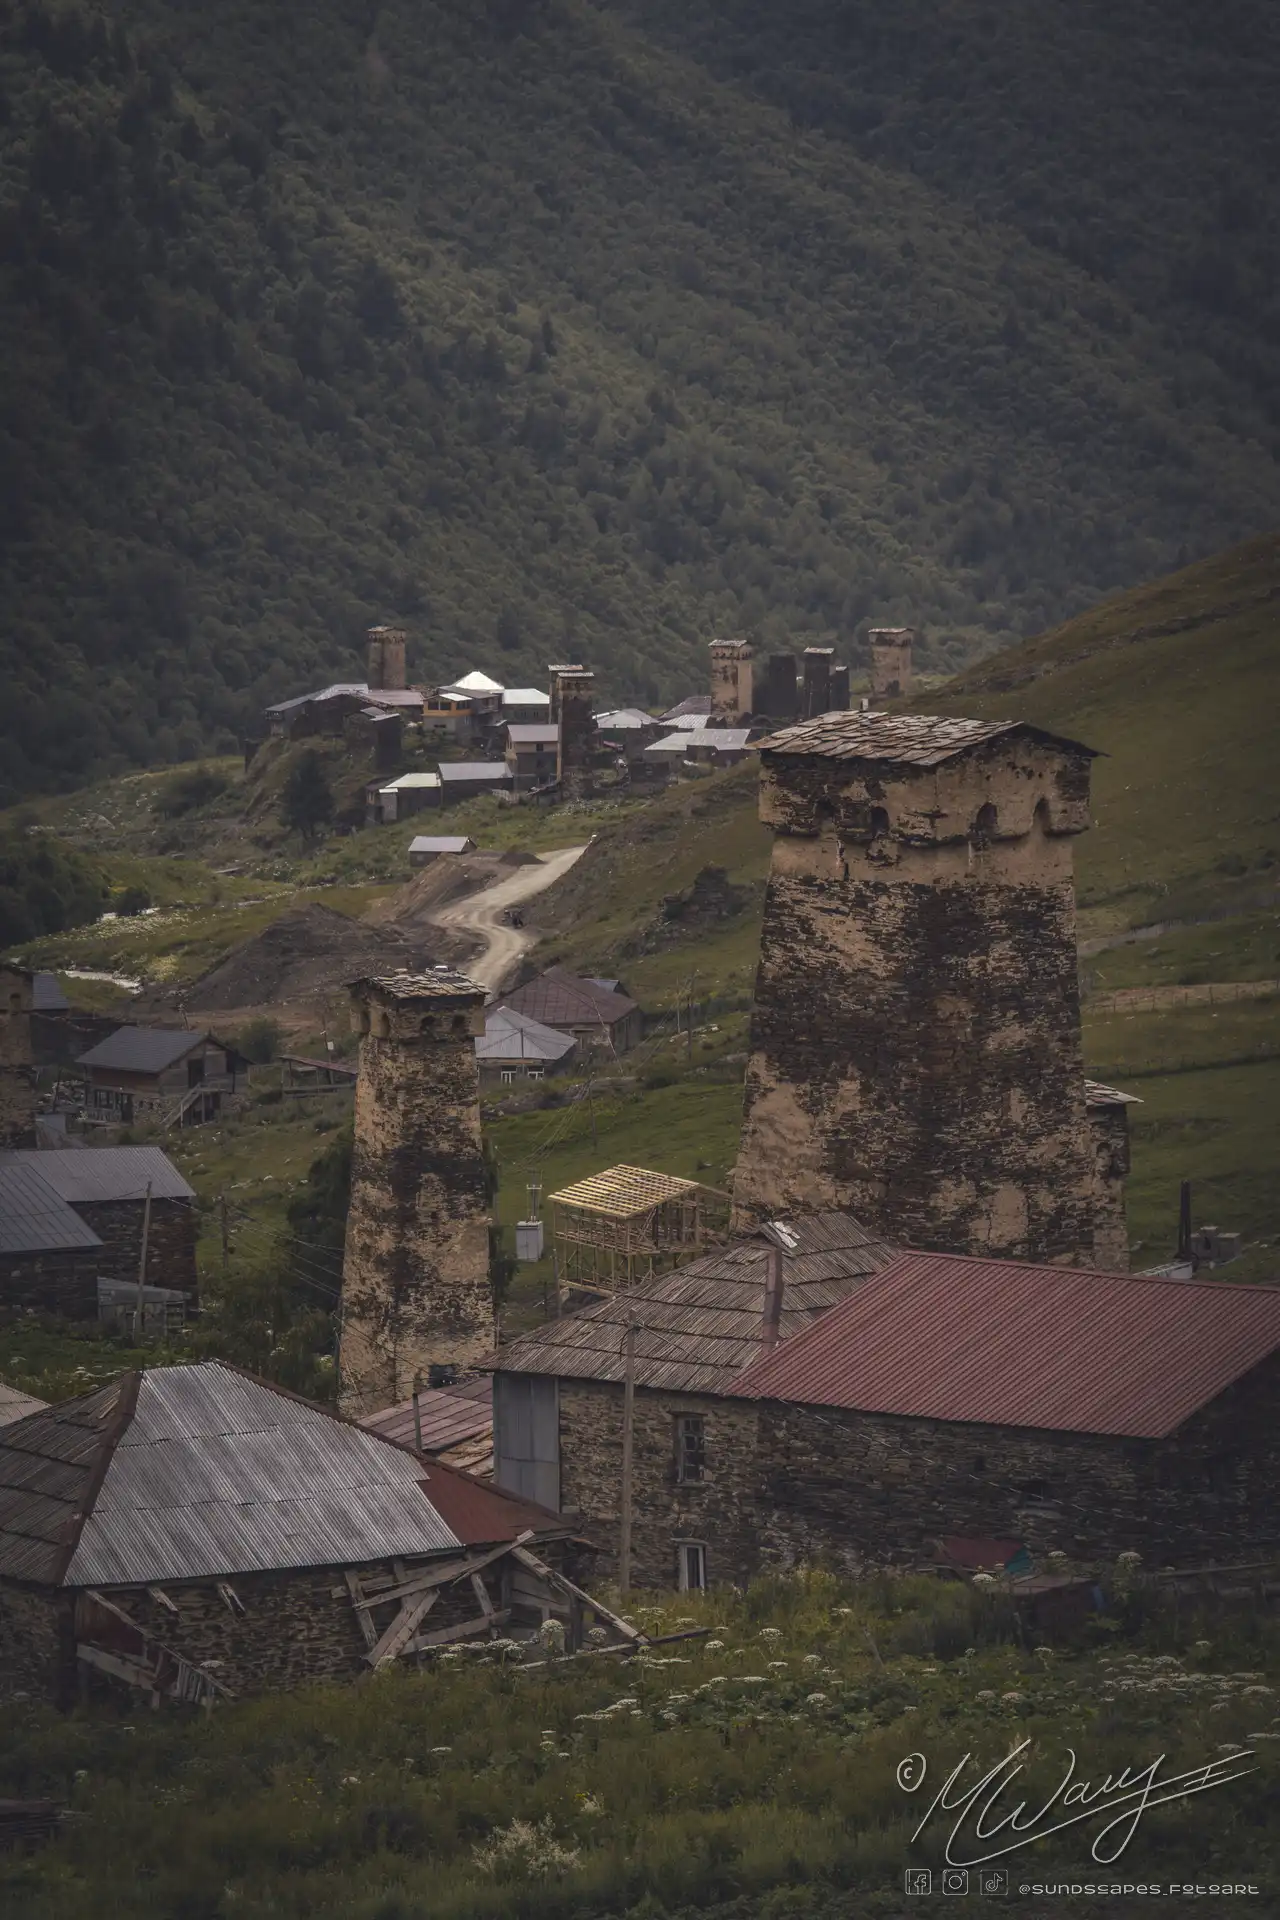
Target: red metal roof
pixel 939 1337
pixel 479 1515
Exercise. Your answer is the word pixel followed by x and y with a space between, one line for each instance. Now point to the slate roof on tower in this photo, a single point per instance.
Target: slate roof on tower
pixel 912 739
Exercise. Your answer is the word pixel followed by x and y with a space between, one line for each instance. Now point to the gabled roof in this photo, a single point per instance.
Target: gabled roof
pixel 188 1473
pixel 941 1337
pixel 624 719
pixel 16 1406
pixel 446 1415
pixel 491 770
pixel 723 739
pixel 441 843
pixel 673 743
pixel 81 1175
pixel 410 780
pixel 143 1049
pixel 688 722
pixel 473 683
pixel 912 739
pixel 525 697
pixel 340 688
pixel 561 999
pixel 532 734
pixel 34 1218
pixel 509 1035
pixel 695 703
pixel 701 1326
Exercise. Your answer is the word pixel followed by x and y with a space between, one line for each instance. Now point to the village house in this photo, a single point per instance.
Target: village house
pixel 513 1048
pixel 426 848
pixel 628 731
pixel 328 710
pixel 170 1074
pixel 531 755
pixel 600 1018
pixel 526 704
pixel 453 1424
pixel 1091 1412
pixel 469 779
pixel 107 1187
pixel 48 1254
pixel 385 802
pixel 322 1549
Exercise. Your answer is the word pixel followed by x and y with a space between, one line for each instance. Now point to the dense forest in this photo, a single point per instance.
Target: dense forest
pixel 545 326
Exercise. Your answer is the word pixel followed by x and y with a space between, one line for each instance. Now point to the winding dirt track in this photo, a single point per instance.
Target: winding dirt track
pixel 481 914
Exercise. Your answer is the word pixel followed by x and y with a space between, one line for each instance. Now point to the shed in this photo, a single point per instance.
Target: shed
pixel 392 800
pixel 514 1047
pixel 195 1533
pixel 465 779
pixel 173 1075
pixel 428 847
pixel 107 1188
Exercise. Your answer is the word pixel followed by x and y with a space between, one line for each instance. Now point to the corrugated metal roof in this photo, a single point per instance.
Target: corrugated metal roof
pixel 701 1325
pixel 532 734
pixel 210 1473
pixel 696 703
pixel 441 843
pixel 81 1175
pixel 47 996
pixel 447 1414
pixel 474 683
pixel 623 719
pixel 941 1337
pixel 34 1218
pixel 722 739
pixel 914 739
pixel 525 697
pixel 408 781
pixel 493 771
pixel 143 1049
pixel 509 1035
pixel 561 999
pixel 16 1406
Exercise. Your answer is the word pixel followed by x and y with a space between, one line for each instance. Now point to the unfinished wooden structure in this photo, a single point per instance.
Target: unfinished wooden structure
pixel 616 1228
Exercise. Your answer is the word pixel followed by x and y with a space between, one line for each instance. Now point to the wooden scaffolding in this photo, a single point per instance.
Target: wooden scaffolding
pixel 615 1228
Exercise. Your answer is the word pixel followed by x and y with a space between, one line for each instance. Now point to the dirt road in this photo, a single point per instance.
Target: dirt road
pixel 481 914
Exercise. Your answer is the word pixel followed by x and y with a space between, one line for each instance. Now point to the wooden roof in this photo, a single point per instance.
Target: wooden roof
pixel 623 1192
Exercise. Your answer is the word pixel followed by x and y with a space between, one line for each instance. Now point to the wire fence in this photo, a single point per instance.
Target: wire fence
pixel 1215 993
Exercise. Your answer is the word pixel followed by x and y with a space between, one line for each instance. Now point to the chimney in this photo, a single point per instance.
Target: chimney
pixel 772 1320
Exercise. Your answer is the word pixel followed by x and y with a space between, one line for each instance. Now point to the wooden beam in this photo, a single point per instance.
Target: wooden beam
pixel 464 1631
pixel 566 1585
pixel 363 1617
pixel 436 1576
pixel 482 1596
pixel 401 1630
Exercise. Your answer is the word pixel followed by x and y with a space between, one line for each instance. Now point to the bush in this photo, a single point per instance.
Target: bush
pixel 187 792
pixel 260 1040
pixel 130 902
pixel 306 803
pixel 46 887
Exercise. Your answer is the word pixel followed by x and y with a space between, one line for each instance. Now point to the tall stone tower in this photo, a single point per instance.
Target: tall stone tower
pixel 575 743
pixel 415 1269
pixel 915 1048
pixel 779 697
pixel 553 682
pixel 17 1073
pixel 731 691
pixel 816 692
pixel 838 692
pixel 386 659
pixel 890 662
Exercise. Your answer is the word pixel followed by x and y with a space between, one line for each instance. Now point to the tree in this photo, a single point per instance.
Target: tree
pixel 307 801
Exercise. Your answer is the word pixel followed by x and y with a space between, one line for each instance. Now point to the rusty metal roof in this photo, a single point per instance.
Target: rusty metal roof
pixel 188 1473
pixel 447 1415
pixel 700 1325
pixel 912 739
pixel 940 1337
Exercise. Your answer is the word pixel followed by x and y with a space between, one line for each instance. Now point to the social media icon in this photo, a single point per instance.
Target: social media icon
pixel 918 1880
pixel 955 1879
pixel 993 1880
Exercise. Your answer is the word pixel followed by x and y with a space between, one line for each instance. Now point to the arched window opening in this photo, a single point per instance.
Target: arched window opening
pixel 879 821
pixel 985 822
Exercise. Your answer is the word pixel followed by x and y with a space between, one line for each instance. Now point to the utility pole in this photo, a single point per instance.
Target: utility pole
pixel 138 1320
pixel 689 1027
pixel 628 1435
pixel 226 1234
pixel 1184 1223
pixel 417 1413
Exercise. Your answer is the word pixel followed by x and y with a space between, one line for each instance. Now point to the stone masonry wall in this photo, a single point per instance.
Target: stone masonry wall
pixel 33 1642
pixel 17 1074
pixel 171 1241
pixel 1109 1131
pixel 731 677
pixel 916 1053
pixel 65 1283
pixel 415 1278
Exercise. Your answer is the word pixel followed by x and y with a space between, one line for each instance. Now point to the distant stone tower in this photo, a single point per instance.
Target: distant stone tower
pixel 838 693
pixel 386 659
pixel 415 1270
pixel 890 662
pixel 731 692
pixel 574 690
pixel 779 697
pixel 915 1045
pixel 553 682
pixel 17 1073
pixel 816 693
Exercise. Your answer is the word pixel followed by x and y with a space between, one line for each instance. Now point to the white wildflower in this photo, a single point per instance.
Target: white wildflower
pixel 551 1635
pixel 813 1659
pixel 1015 1696
pixel 984 1580
pixel 525 1849
pixel 713 1646
pixel 776 1665
pixel 985 1693
pixel 590 1804
pixel 771 1633
pixel 1129 1559
pixel 755 1679
pixel 815 1700
pixel 1202 1646
pixel 1249 1690
pixel 442 1749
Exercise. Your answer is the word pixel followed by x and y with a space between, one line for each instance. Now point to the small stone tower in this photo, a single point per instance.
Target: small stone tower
pixel 575 744
pixel 816 694
pixel 915 1046
pixel 17 1073
pixel 415 1269
pixel 731 692
pixel 386 659
pixel 890 662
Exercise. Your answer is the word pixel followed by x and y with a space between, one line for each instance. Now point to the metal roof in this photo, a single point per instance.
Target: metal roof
pixel 474 683
pixel 143 1049
pixel 723 739
pixel 395 696
pixel 623 1192
pixel 349 687
pixel 525 697
pixel 912 739
pixel 16 1406
pixel 81 1175
pixel 494 771
pixel 188 1473
pixel 674 742
pixel 34 1218
pixel 694 704
pixel 509 1035
pixel 532 734
pixel 700 1326
pixel 624 718
pixel 560 999
pixel 688 722
pixel 447 1415
pixel 943 1337
pixel 441 843
pixel 47 996
pixel 411 780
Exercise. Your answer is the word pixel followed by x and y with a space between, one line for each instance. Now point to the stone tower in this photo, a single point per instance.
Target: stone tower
pixel 890 662
pixel 573 691
pixel 386 659
pixel 731 692
pixel 838 692
pixel 17 1073
pixel 915 1047
pixel 816 693
pixel 553 682
pixel 779 697
pixel 415 1269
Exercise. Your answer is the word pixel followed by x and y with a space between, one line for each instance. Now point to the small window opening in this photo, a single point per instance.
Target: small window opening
pixel 979 1462
pixel 691 1567
pixel 691 1448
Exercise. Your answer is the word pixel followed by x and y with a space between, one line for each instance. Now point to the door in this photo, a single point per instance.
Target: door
pixel 526 1437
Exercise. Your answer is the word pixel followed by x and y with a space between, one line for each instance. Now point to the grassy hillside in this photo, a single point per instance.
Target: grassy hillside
pixel 525 327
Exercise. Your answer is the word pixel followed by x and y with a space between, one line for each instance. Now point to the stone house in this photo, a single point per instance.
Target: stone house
pixel 450 1423
pixel 531 755
pixel 107 1188
pixel 513 1048
pixel 599 1017
pixel 321 1549
pixel 160 1073
pixel 386 801
pixel 945 1397
pixel 48 1254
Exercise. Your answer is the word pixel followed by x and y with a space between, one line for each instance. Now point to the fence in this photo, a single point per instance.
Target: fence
pixel 1216 993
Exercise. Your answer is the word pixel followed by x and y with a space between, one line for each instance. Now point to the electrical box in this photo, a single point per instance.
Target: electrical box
pixel 528 1239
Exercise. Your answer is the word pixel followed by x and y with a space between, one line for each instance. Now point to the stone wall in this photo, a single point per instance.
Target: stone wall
pixel 17 1073
pixel 815 697
pixel 890 649
pixel 1109 1131
pixel 786 1484
pixel 415 1277
pixel 171 1241
pixel 915 1052
pixel 35 1643
pixel 574 690
pixel 731 690
pixel 65 1283
pixel 778 696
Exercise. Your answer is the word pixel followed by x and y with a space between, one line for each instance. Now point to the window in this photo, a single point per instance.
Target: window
pixel 691 1566
pixel 533 1073
pixel 691 1448
pixel 508 1076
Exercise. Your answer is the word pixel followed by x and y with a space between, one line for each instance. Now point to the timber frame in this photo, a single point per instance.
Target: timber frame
pixel 616 1228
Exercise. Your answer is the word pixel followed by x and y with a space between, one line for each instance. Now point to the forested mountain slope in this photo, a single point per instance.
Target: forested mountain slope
pixel 531 330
